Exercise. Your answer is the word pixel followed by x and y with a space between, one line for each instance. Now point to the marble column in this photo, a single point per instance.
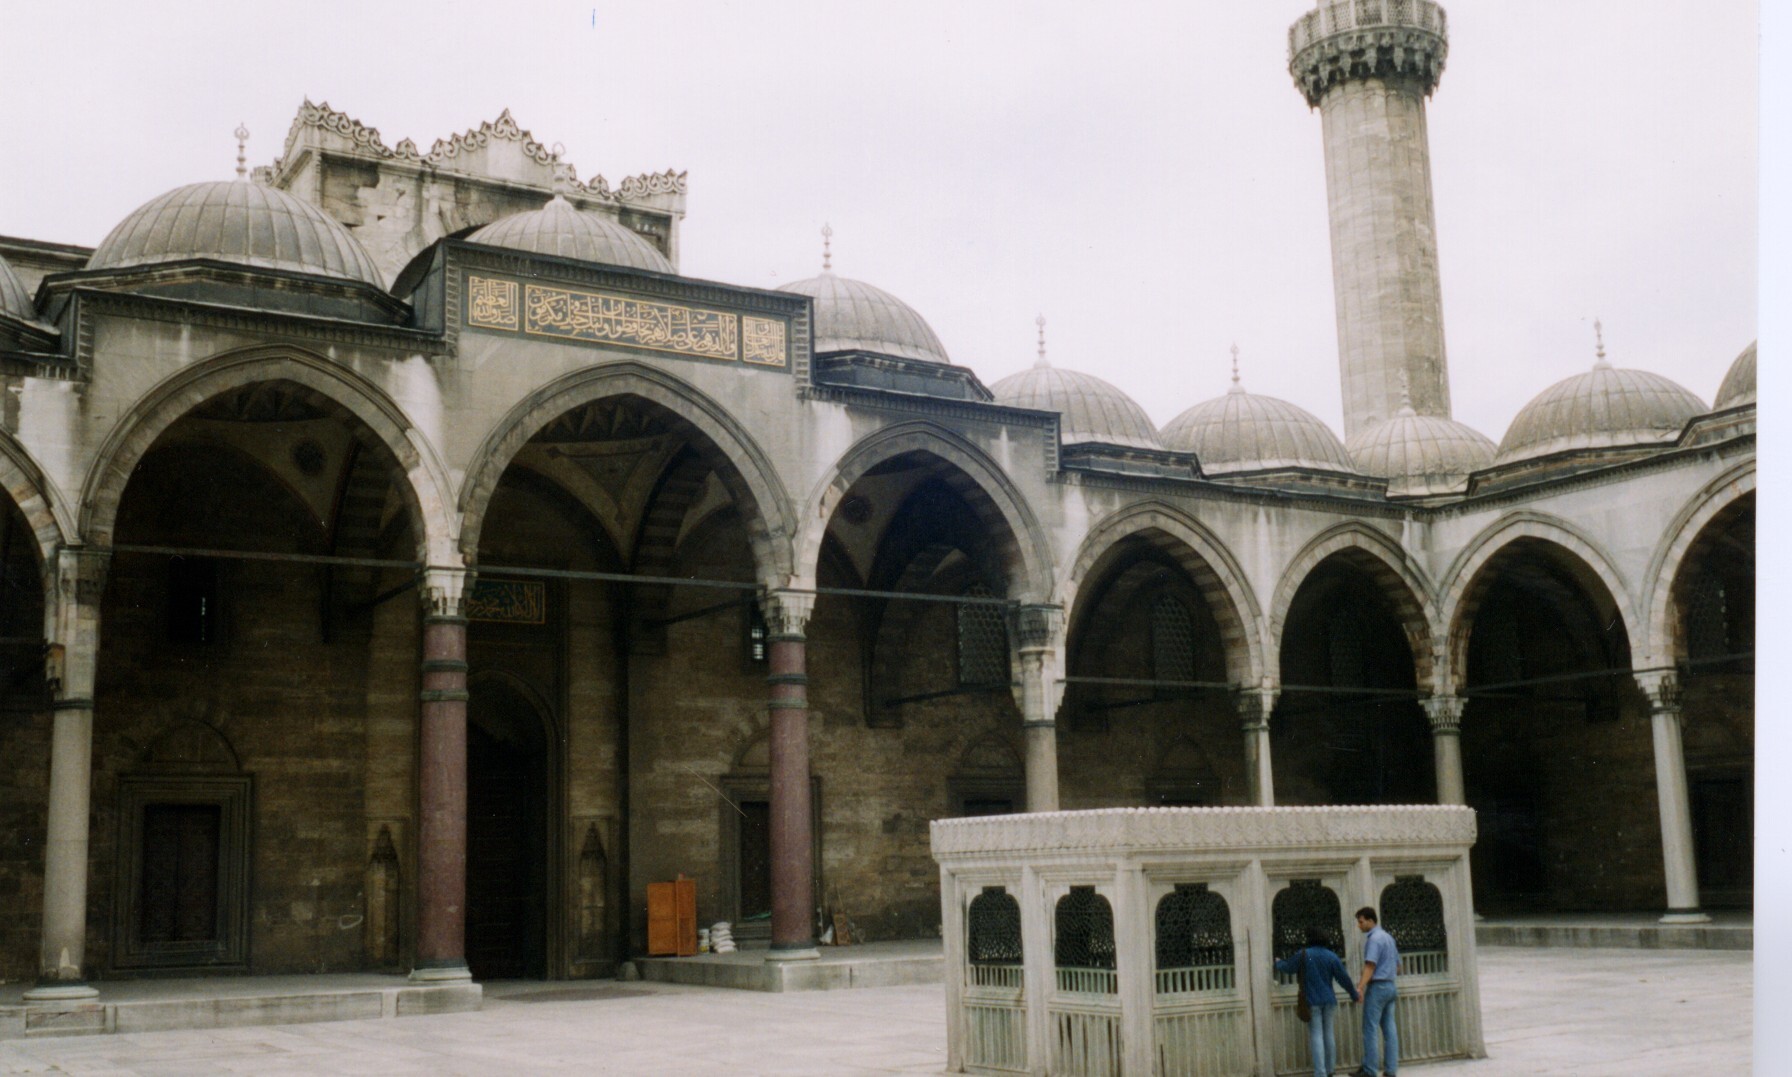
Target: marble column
pixel 76 582
pixel 1445 713
pixel 793 828
pixel 1680 869
pixel 1255 705
pixel 442 782
pixel 1035 631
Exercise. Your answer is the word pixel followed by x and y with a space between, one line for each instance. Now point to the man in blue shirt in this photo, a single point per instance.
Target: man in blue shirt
pixel 1381 959
pixel 1319 968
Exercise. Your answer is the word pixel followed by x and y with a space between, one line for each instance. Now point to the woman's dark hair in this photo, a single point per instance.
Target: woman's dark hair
pixel 1316 937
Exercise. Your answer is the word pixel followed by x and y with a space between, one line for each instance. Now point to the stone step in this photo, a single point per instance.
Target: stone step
pixel 837 969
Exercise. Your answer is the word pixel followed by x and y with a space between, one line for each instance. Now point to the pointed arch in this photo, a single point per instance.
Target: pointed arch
pixel 1463 587
pixel 725 444
pixel 1662 639
pixel 985 487
pixel 1216 574
pixel 45 510
pixel 1387 564
pixel 426 489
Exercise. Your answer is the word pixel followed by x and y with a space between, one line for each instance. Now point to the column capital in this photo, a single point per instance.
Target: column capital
pixel 1445 713
pixel 1036 626
pixel 1662 686
pixel 786 613
pixel 444 591
pixel 1254 706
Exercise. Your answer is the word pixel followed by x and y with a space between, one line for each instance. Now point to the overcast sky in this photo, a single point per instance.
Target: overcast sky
pixel 1145 175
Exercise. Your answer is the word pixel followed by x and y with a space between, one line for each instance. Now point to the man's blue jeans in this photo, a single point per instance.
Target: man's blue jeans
pixel 1322 1039
pixel 1378 1017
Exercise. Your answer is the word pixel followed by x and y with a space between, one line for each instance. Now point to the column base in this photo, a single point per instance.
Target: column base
pixel 62 991
pixel 804 951
pixel 1684 916
pixel 442 974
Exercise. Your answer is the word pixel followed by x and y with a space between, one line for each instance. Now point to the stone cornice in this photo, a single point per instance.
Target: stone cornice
pixel 1595 477
pixel 1336 43
pixel 1118 832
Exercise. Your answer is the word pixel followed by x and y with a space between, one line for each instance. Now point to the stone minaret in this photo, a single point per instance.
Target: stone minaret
pixel 1368 66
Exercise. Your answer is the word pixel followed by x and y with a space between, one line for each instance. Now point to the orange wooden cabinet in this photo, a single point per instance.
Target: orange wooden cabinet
pixel 672 918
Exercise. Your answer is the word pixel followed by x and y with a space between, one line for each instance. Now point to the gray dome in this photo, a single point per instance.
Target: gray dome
pixel 1244 432
pixel 1092 409
pixel 1739 384
pixel 236 221
pixel 14 299
pixel 1601 408
pixel 852 316
pixel 1421 454
pixel 559 228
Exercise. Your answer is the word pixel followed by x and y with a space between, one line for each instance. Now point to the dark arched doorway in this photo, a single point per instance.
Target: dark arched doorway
pixel 507 832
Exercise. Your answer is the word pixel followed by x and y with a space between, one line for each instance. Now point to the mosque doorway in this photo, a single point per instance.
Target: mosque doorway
pixel 506 835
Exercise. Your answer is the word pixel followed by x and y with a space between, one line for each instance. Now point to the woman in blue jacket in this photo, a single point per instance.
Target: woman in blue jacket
pixel 1322 970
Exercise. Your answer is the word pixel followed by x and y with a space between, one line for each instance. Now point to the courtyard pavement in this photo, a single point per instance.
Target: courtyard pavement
pixel 1547 1011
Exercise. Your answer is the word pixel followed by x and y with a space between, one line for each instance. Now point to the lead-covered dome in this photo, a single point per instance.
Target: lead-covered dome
pixel 852 316
pixel 1603 408
pixel 14 299
pixel 236 221
pixel 1093 410
pixel 1420 454
pixel 1245 432
pixel 562 229
pixel 1739 384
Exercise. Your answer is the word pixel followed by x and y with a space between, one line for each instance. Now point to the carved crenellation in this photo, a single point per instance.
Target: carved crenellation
pixel 1118 831
pixel 1445 713
pixel 444 151
pixel 1357 39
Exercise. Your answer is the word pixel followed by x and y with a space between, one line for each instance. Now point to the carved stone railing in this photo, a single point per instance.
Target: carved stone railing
pixel 1098 991
pixel 1344 39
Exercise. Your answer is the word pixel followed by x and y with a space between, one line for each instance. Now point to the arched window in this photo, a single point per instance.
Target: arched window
pixel 1083 949
pixel 1302 904
pixel 982 640
pixel 1194 941
pixel 993 948
pixel 1172 640
pixel 1412 910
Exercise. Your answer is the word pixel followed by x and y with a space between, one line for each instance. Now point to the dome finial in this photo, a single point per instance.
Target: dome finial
pixel 1040 363
pixel 242 155
pixel 1405 396
pixel 1599 361
pixel 827 247
pixel 1236 387
pixel 563 172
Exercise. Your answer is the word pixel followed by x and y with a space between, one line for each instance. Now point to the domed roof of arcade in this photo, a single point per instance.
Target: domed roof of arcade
pixel 563 230
pixel 236 221
pixel 852 316
pixel 1243 431
pixel 1605 407
pixel 1739 384
pixel 1092 410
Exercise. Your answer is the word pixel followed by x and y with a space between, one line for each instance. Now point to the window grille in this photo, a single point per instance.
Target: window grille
pixel 1172 640
pixel 1705 615
pixel 1194 941
pixel 1083 950
pixel 982 640
pixel 994 948
pixel 1412 910
pixel 1499 653
pixel 1305 903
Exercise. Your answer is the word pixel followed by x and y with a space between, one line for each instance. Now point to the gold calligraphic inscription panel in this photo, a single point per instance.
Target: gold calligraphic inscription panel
pixel 491 304
pixel 762 341
pixel 636 323
pixel 508 602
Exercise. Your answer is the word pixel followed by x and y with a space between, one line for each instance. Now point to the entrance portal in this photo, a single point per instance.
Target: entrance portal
pixel 506 835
